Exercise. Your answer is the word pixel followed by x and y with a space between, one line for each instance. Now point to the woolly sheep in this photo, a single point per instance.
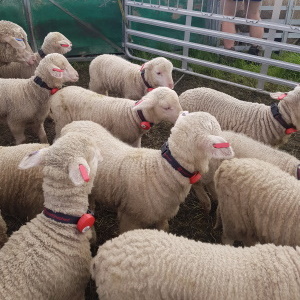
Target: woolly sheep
pixel 21 193
pixel 244 147
pixel 13 44
pixel 25 101
pixel 49 257
pixel 120 116
pixel 257 202
pixel 139 182
pixel 253 119
pixel 111 73
pixel 3 229
pixel 150 264
pixel 54 42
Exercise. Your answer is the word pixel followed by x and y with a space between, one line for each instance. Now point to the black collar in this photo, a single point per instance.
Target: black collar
pixel 298 172
pixel 41 53
pixel 144 123
pixel 166 153
pixel 149 87
pixel 38 80
pixel 290 128
pixel 60 217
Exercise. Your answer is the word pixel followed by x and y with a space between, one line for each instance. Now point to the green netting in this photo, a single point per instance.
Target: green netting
pixel 93 26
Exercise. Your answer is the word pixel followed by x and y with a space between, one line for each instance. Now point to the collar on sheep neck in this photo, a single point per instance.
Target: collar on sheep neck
pixel 84 223
pixel 38 80
pixel 166 153
pixel 144 124
pixel 149 87
pixel 289 128
pixel 41 53
pixel 298 172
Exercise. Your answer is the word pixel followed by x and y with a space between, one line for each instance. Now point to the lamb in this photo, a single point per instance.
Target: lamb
pixel 13 44
pixel 3 229
pixel 114 74
pixel 150 264
pixel 26 101
pixel 124 118
pixel 49 257
pixel 270 125
pixel 141 183
pixel 244 147
pixel 257 202
pixel 54 42
pixel 21 193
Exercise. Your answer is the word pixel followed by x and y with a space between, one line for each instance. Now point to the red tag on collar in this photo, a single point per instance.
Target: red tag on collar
pixel 53 91
pixel 195 178
pixel 150 89
pixel 145 125
pixel 290 130
pixel 85 222
pixel 221 145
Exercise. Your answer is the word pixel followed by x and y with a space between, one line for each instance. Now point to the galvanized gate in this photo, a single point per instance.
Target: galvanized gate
pixel 189 31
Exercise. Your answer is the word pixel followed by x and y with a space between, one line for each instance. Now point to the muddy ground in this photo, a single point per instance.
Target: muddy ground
pixel 191 221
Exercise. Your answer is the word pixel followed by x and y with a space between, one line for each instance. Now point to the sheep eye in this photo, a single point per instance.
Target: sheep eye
pixel 167 108
pixel 158 73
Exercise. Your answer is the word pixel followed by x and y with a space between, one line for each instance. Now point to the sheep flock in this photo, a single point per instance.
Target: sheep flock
pixel 132 184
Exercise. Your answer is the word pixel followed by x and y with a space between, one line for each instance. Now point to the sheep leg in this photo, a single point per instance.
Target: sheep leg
pixel 226 240
pixel 39 130
pixel 202 196
pixel 126 223
pixel 17 131
pixel 163 225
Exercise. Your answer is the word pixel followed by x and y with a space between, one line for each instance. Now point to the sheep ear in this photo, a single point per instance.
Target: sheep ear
pixel 277 95
pixel 142 104
pixel 14 42
pixel 219 148
pixel 33 159
pixel 79 169
pixel 56 71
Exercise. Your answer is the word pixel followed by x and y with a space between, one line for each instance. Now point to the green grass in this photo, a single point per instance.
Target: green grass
pixel 235 63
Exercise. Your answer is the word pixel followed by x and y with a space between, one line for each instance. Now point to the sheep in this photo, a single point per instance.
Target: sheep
pixel 3 229
pixel 257 202
pixel 114 74
pixel 124 118
pixel 13 44
pixel 244 147
pixel 141 183
pixel 26 101
pixel 149 264
pixel 253 119
pixel 21 193
pixel 49 257
pixel 54 42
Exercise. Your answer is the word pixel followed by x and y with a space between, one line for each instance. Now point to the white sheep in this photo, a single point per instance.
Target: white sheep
pixel 257 202
pixel 150 264
pixel 54 42
pixel 244 147
pixel 21 193
pixel 113 74
pixel 124 118
pixel 13 44
pixel 141 183
pixel 25 102
pixel 49 257
pixel 3 230
pixel 253 119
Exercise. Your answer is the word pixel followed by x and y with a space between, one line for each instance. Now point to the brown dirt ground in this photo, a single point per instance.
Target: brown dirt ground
pixel 191 221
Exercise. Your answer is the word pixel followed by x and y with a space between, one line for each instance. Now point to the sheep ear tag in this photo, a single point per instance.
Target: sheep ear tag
pixel 85 222
pixel 278 95
pixel 15 42
pixel 56 72
pixel 84 173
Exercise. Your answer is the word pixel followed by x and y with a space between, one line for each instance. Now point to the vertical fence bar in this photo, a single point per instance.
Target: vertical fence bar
pixel 271 37
pixel 28 15
pixel 187 34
